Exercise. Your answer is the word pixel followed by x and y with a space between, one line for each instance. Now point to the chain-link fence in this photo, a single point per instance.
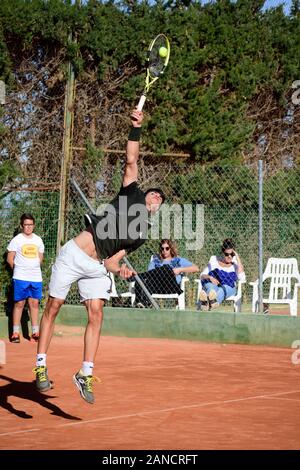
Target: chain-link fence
pixel 204 205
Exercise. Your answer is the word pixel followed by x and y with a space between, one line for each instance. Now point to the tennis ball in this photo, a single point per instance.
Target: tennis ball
pixel 163 51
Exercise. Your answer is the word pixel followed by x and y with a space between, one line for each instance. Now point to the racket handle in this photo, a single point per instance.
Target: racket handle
pixel 141 103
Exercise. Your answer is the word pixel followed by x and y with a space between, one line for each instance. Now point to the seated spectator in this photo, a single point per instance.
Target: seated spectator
pixel 220 276
pixel 165 272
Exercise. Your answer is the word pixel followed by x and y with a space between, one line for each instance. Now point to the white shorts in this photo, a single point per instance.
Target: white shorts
pixel 74 265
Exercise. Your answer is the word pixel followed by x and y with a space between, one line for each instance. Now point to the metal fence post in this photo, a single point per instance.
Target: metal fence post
pixel 260 236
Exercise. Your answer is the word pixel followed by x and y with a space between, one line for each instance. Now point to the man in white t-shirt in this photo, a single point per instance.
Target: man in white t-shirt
pixel 25 255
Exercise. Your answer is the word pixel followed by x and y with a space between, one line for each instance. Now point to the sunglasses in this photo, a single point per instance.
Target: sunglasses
pixel 229 254
pixel 166 248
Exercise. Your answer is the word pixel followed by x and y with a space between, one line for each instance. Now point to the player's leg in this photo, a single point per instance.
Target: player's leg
pixel 63 275
pixel 93 330
pixel 20 296
pixel 17 314
pixel 90 288
pixel 47 323
pixel 43 384
pixel 33 302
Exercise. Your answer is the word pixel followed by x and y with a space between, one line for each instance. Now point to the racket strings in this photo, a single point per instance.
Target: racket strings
pixel 156 62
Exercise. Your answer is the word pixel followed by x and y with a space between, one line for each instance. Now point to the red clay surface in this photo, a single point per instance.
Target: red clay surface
pixel 155 394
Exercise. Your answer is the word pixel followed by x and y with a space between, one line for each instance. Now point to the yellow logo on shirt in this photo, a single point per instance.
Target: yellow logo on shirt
pixel 30 251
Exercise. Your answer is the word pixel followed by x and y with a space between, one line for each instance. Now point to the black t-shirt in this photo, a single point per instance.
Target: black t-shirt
pixel 123 225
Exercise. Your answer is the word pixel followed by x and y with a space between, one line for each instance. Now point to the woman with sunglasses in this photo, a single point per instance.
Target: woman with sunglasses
pixel 220 276
pixel 168 254
pixel 165 272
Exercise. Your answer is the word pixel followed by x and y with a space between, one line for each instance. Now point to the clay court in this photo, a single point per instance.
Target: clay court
pixel 155 394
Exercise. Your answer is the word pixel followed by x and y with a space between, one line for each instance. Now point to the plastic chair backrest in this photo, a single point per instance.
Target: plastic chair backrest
pixel 281 271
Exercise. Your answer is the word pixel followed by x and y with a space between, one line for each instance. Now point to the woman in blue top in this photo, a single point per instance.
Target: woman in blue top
pixel 168 254
pixel 220 276
pixel 165 269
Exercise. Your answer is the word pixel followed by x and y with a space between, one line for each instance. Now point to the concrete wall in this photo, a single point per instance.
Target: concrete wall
pixel 275 330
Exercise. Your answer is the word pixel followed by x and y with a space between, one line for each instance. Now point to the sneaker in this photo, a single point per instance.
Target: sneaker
pixel 213 305
pixel 212 300
pixel 35 337
pixel 43 384
pixel 203 300
pixel 139 305
pixel 15 338
pixel 265 309
pixel 212 295
pixel 84 383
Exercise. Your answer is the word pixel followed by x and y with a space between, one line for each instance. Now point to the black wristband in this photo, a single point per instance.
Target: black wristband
pixel 135 134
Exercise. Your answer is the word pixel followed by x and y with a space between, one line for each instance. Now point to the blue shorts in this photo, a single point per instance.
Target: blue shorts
pixel 25 289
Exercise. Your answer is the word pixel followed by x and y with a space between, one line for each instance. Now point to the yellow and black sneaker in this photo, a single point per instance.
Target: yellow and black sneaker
pixel 84 383
pixel 43 384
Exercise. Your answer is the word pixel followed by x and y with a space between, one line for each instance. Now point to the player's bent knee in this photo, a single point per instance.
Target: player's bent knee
pixel 53 306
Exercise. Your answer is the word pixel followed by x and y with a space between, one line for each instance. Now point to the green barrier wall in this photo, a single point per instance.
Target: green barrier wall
pixel 273 330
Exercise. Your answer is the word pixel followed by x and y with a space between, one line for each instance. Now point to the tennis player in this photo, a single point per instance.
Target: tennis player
pixel 88 258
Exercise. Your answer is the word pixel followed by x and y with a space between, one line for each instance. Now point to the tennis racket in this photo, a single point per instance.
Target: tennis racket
pixel 158 56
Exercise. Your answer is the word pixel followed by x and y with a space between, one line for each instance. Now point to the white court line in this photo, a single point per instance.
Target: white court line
pixel 19 432
pixel 287 399
pixel 164 410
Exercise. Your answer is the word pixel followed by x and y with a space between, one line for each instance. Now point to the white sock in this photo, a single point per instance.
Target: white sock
pixel 16 329
pixel 41 360
pixel 87 368
pixel 35 329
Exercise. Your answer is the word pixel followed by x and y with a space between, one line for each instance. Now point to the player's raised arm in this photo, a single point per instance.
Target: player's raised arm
pixel 133 148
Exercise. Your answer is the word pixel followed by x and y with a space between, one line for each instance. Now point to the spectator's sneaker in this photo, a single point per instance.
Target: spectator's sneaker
pixel 43 384
pixel 266 308
pixel 84 383
pixel 15 338
pixel 212 300
pixel 213 305
pixel 35 337
pixel 203 300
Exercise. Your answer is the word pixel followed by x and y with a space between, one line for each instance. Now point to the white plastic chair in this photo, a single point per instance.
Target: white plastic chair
pixel 131 293
pixel 179 297
pixel 281 272
pixel 236 299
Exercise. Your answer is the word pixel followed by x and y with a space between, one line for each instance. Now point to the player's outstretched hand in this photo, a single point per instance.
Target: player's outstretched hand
pixel 137 118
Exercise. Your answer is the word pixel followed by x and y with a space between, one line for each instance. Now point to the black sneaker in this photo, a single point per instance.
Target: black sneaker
pixel 84 383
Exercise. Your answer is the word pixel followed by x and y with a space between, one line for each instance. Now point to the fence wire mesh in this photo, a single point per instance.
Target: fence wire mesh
pixel 226 195
pixel 228 198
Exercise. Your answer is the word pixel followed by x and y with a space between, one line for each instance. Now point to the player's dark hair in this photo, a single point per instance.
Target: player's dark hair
pixel 156 190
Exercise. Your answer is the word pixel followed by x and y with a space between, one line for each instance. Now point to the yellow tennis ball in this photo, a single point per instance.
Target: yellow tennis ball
pixel 163 51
